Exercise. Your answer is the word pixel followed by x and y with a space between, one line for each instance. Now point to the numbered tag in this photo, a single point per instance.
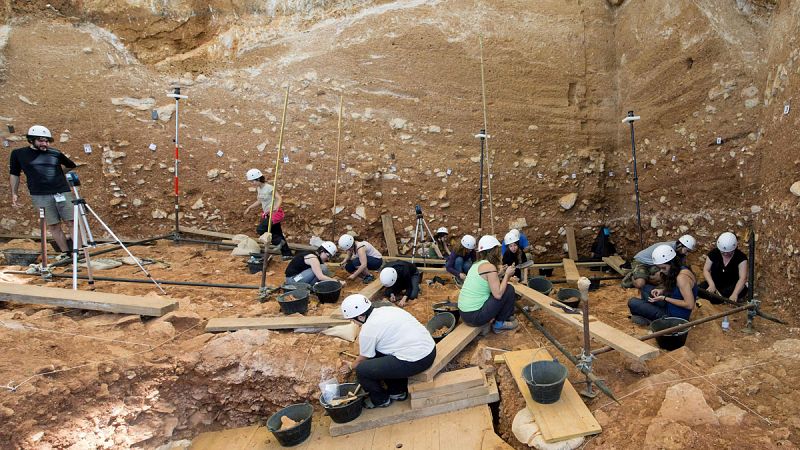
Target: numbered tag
pixel 285 159
pixel 59 198
pixel 674 158
pixel 719 141
pixel 6 143
pixel 220 153
pixel 786 109
pixel 87 148
pixel 610 173
pixel 298 277
pixel 574 176
pixel 627 170
pixel 152 147
pixel 449 171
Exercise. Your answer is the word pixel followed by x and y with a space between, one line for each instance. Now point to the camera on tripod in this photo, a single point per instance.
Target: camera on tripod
pixel 72 179
pixel 418 209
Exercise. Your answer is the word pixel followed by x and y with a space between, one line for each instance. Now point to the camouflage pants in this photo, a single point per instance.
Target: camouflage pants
pixel 639 271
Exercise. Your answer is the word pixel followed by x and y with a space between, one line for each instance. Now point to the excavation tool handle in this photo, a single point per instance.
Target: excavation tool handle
pixel 566 308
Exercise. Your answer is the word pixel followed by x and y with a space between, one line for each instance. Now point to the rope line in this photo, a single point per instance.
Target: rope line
pixel 28 327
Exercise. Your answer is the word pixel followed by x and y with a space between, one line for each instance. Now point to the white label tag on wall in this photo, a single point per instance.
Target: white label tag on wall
pixel 574 176
pixel 152 147
pixel 786 109
pixel 610 173
pixel 449 171
pixel 674 158
pixel 285 159
pixel 5 143
pixel 343 166
pixel 220 153
pixel 87 148
pixel 719 141
pixel 627 170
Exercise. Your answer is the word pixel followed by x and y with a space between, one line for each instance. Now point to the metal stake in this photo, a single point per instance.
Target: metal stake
pixel 630 119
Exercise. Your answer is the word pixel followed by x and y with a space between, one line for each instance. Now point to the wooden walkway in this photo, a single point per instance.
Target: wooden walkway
pixel 89 300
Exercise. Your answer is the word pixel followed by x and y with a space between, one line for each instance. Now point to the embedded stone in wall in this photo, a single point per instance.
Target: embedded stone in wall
pixel 568 201
pixel 795 189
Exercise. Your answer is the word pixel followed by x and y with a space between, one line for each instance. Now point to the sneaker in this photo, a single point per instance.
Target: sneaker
pixel 287 257
pixel 500 327
pixel 458 281
pixel 485 329
pixel 369 405
pixel 369 279
pixel 399 397
pixel 639 320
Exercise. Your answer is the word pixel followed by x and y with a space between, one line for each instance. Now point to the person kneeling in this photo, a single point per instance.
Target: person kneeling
pixel 400 278
pixel 393 346
pixel 484 296
pixel 677 299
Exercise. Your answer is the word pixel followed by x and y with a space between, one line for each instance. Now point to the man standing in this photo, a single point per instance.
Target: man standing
pixel 46 181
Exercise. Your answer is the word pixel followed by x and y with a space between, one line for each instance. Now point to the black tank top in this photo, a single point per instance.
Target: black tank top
pixel 298 263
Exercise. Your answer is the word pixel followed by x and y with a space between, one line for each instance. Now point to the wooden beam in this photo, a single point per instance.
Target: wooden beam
pixel 402 412
pixel 388 234
pixel 624 343
pixel 448 382
pixel 89 300
pixel 273 323
pixel 372 289
pixel 615 262
pixel 447 349
pixel 572 250
pixel 417 260
pixel 571 273
pixel 565 419
pixel 228 238
pixel 477 391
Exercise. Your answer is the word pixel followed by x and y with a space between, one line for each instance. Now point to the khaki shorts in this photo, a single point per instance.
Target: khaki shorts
pixel 54 212
pixel 638 271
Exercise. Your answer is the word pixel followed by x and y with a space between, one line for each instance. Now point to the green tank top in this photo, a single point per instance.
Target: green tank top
pixel 475 291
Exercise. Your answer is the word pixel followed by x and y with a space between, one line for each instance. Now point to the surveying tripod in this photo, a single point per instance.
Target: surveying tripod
pixel 419 232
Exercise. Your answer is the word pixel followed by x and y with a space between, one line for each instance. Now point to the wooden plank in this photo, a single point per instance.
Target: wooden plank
pixel 447 349
pixel 477 391
pixel 565 419
pixel 624 343
pixel 89 300
pixel 228 238
pixel 448 382
pixel 252 437
pixel 571 273
pixel 388 234
pixel 273 323
pixel 572 249
pixel 402 412
pixel 615 262
pixel 372 289
pixel 417 260
pixel 491 441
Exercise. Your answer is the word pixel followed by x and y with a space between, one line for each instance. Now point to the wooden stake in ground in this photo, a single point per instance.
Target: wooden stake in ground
pixel 263 291
pixel 336 179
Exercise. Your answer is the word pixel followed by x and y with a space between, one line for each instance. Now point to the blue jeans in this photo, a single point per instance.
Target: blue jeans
pixel 372 264
pixel 650 311
pixel 307 276
pixel 501 309
pixel 462 265
pixel 391 371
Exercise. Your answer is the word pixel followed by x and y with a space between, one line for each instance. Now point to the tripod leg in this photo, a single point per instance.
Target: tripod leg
pixel 84 232
pixel 435 247
pixel 75 243
pixel 414 248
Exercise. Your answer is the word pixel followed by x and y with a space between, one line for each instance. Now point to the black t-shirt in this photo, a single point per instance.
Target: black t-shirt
pixel 511 258
pixel 298 263
pixel 725 276
pixel 43 172
pixel 405 270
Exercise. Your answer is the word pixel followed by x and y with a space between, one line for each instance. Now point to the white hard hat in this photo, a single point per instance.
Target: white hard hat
pixel 468 242
pixel 388 276
pixel 39 131
pixel 329 247
pixel 511 237
pixel 487 242
pixel 346 241
pixel 442 230
pixel 688 241
pixel 355 305
pixel 726 242
pixel 253 174
pixel 663 254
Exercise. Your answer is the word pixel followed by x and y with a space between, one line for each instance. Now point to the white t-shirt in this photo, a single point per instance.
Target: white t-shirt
pixel 646 256
pixel 393 331
pixel 369 249
pixel 265 196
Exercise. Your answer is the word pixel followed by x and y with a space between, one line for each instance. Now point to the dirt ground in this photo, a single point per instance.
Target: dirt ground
pixel 92 380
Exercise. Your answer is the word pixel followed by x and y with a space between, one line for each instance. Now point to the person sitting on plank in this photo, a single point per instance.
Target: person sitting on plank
pixel 677 299
pixel 360 259
pixel 461 259
pixel 644 274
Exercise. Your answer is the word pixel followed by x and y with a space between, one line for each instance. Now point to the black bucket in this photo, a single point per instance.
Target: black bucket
pixel 670 341
pixel 327 291
pixel 300 412
pixel 298 305
pixel 594 284
pixel 447 307
pixel 20 256
pixel 289 287
pixel 570 297
pixel 546 272
pixel 255 264
pixel 440 320
pixel 545 380
pixel 540 284
pixel 348 411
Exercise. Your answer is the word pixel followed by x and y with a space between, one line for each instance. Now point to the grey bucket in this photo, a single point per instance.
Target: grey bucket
pixel 20 256
pixel 570 297
pixel 545 380
pixel 540 284
pixel 298 305
pixel 346 412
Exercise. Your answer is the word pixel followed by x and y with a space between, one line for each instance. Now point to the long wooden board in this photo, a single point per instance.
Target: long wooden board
pixel 571 273
pixel 388 234
pixel 615 262
pixel 273 323
pixel 447 349
pixel 90 300
pixel 373 289
pixel 402 412
pixel 227 237
pixel 624 343
pixel 565 419
pixel 477 391
pixel 417 260
pixel 448 382
pixel 572 249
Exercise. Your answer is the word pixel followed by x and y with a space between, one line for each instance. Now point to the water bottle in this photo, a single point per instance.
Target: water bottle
pixel 725 324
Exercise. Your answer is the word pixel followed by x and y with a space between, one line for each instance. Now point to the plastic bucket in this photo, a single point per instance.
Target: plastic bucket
pixel 670 341
pixel 546 272
pixel 289 287
pixel 20 256
pixel 570 297
pixel 540 284
pixel 297 301
pixel 255 265
pixel 300 412
pixel 594 284
pixel 439 321
pixel 327 291
pixel 545 380
pixel 346 412
pixel 447 307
